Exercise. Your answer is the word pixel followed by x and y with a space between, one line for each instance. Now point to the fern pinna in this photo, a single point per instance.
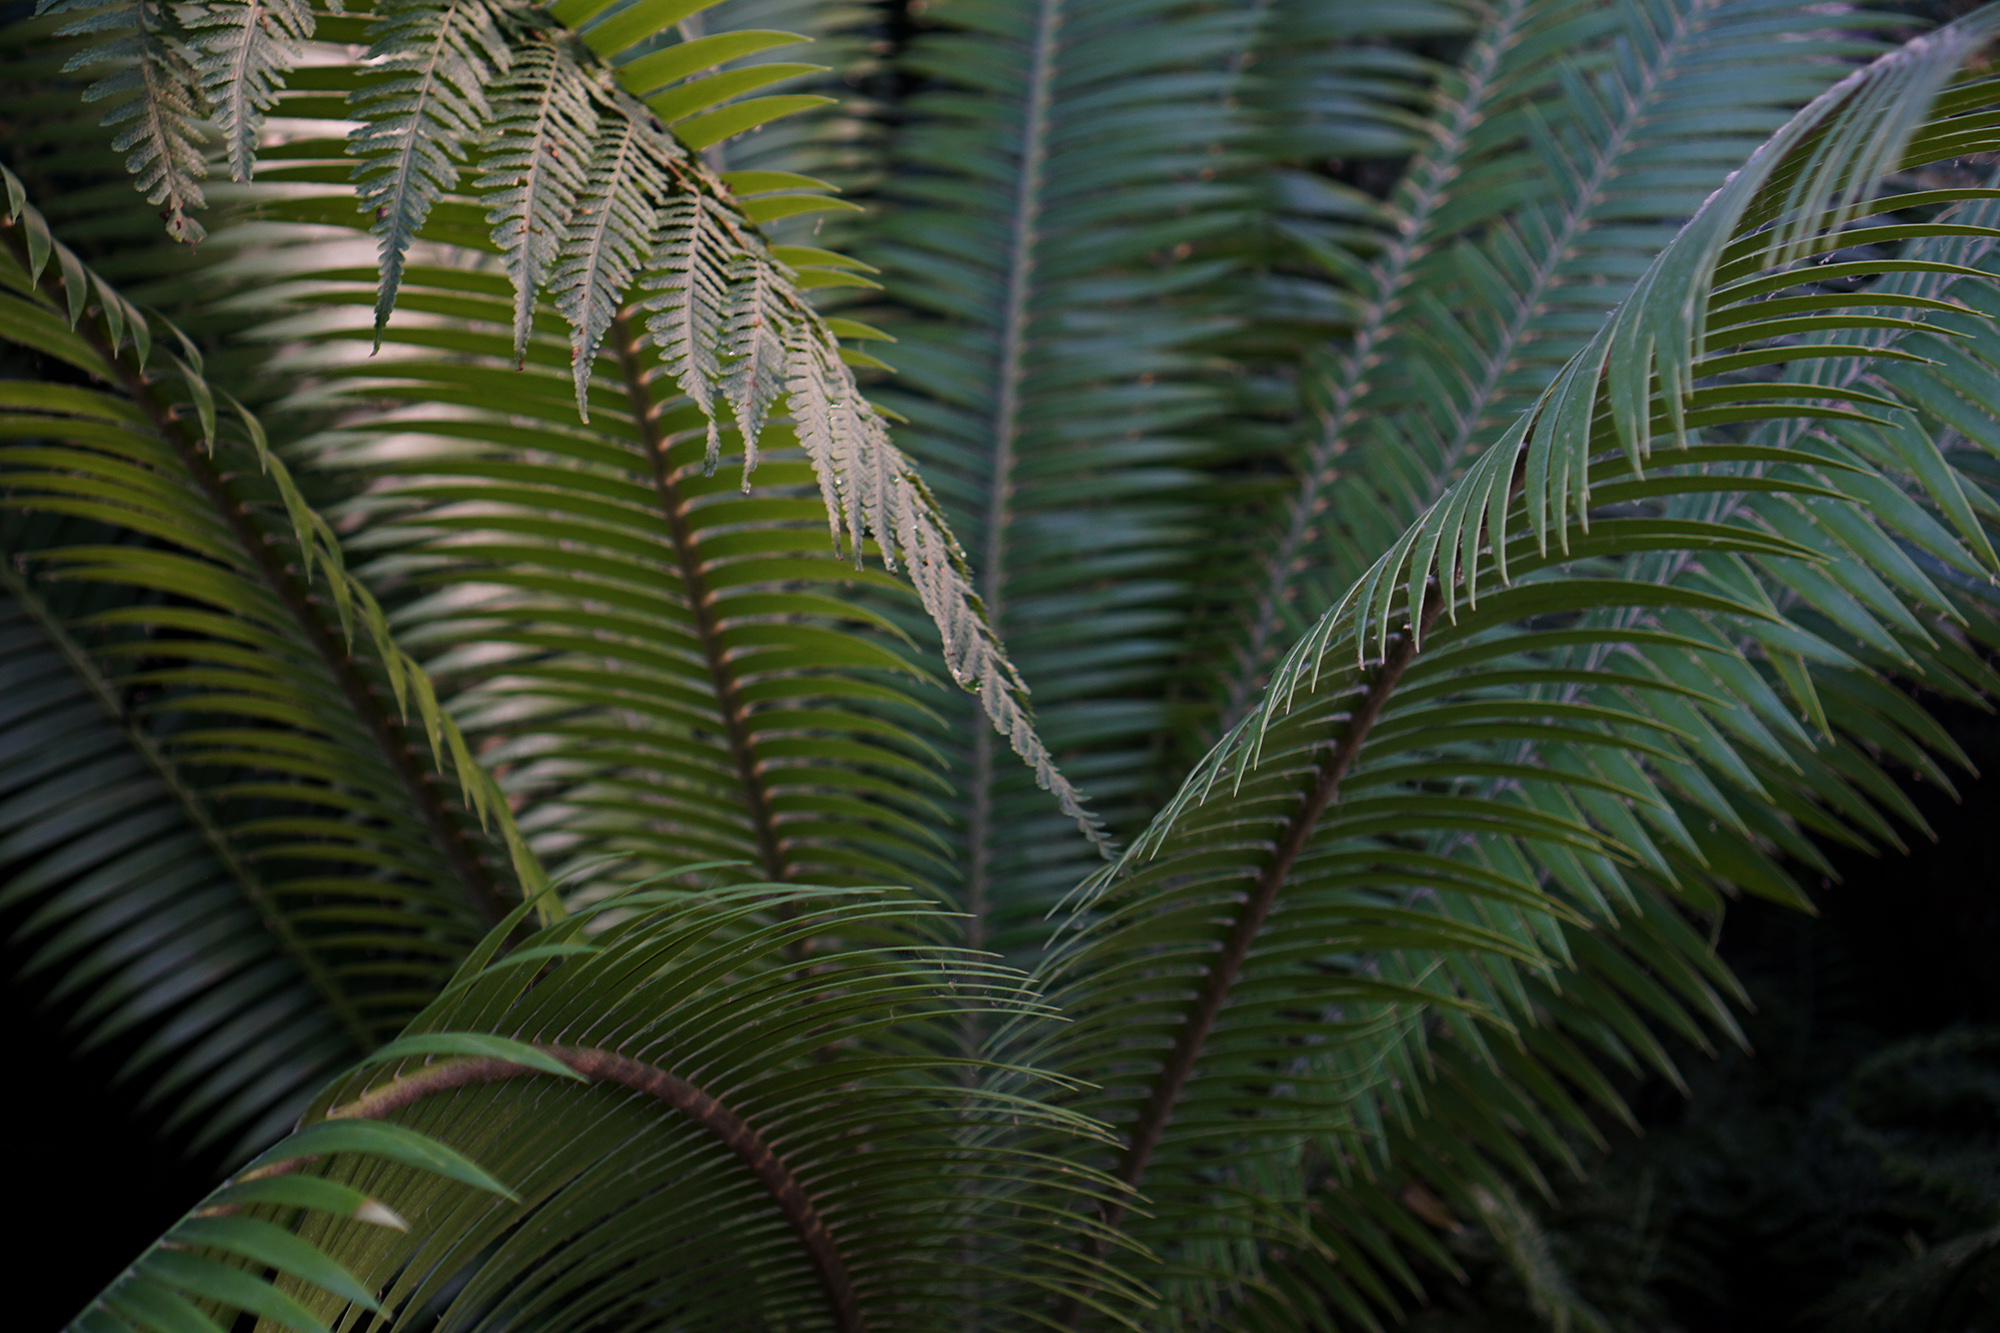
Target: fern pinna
pixel 1467 487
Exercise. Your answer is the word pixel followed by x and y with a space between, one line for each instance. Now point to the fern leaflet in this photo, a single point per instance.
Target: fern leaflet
pixel 153 97
pixel 688 277
pixel 241 64
pixel 437 61
pixel 611 232
pixel 543 125
pixel 754 373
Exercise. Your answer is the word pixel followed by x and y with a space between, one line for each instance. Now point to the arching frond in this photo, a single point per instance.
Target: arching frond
pixel 657 662
pixel 1379 930
pixel 1539 189
pixel 680 1118
pixel 151 915
pixel 307 779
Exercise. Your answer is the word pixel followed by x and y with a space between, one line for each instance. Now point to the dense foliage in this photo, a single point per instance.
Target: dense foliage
pixel 1168 793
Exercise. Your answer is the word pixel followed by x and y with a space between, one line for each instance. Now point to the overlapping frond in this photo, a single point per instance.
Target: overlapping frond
pixel 1559 155
pixel 1647 594
pixel 146 911
pixel 657 662
pixel 1062 160
pixel 223 639
pixel 1397 914
pixel 682 1119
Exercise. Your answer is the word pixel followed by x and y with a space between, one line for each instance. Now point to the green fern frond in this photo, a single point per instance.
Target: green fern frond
pixel 642 1132
pixel 622 235
pixel 1475 292
pixel 350 804
pixel 156 101
pixel 157 920
pixel 1059 162
pixel 424 108
pixel 1354 854
pixel 535 168
pixel 243 59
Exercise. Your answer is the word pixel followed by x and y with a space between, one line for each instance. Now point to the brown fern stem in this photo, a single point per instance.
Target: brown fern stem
pixel 735 1133
pixel 1158 1109
pixel 623 339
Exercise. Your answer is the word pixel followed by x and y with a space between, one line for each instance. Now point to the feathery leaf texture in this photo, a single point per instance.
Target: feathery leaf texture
pixel 232 604
pixel 534 169
pixel 734 1154
pixel 656 662
pixel 1060 159
pixel 155 96
pixel 425 107
pixel 1478 291
pixel 610 235
pixel 1548 715
pixel 422 111
pixel 1627 602
pixel 243 58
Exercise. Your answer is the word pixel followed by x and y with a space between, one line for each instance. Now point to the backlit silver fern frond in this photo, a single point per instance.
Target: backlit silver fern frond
pixel 155 103
pixel 240 63
pixel 435 63
pixel 535 168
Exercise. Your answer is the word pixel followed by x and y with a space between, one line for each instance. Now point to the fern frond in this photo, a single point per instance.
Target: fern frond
pixel 753 358
pixel 1061 162
pixel 156 101
pixel 688 281
pixel 639 1136
pixel 1476 798
pixel 424 108
pixel 611 234
pixel 304 747
pixel 149 912
pixel 243 60
pixel 535 169
pixel 1468 297
pixel 636 235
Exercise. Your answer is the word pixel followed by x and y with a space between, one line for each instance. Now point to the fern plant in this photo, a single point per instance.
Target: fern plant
pixel 1468 489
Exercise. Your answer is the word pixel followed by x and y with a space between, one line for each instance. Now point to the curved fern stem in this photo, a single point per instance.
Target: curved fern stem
pixel 1251 915
pixel 625 340
pixel 261 552
pixel 735 1133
